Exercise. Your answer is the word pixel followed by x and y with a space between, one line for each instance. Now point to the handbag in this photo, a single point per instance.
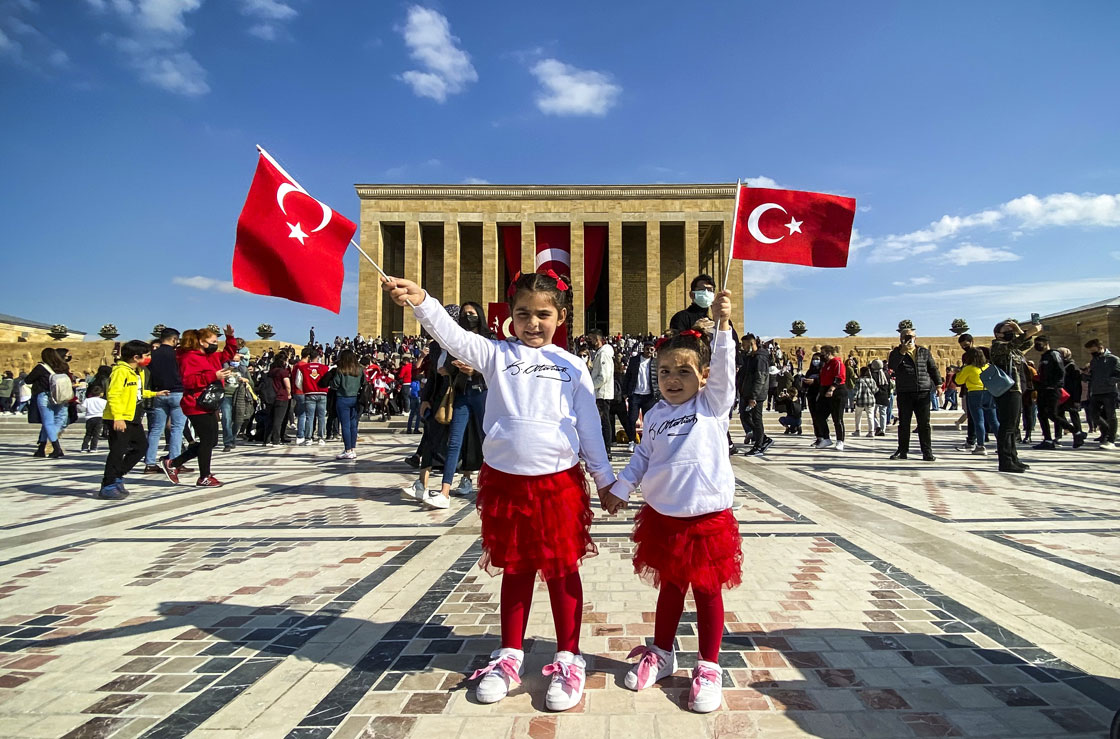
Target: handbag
pixel 996 381
pixel 1063 396
pixel 445 409
pixel 210 399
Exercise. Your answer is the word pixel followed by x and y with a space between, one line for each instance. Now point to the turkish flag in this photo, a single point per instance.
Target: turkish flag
pixel 793 227
pixel 289 244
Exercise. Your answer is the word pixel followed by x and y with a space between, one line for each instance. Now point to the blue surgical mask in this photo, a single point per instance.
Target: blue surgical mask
pixel 703 298
pixel 235 365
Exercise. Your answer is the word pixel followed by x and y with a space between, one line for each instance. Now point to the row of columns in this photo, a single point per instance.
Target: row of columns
pixel 370 305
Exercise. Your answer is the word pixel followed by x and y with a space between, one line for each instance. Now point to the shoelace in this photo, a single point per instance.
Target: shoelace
pixel 571 675
pixel 703 674
pixel 649 663
pixel 506 666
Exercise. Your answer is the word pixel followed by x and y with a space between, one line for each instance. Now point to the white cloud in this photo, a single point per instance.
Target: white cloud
pixel 269 15
pixel 859 241
pixel 447 68
pixel 761 276
pixel 1017 298
pixel 24 44
pixel 568 90
pixel 153 45
pixel 205 283
pixel 480 181
pixel 177 72
pixel 973 254
pixel 762 181
pixel 914 281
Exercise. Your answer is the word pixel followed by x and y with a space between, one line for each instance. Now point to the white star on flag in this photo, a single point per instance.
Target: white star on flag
pixel 297 232
pixel 794 226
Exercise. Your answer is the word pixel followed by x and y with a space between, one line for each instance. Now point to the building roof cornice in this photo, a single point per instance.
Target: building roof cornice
pixel 544 192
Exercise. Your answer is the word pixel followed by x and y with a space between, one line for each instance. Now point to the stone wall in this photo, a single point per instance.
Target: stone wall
pixel 16 332
pixel 945 349
pixel 87 355
pixel 1072 330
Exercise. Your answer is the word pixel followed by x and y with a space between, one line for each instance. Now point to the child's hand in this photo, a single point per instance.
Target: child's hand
pixel 402 291
pixel 722 309
pixel 609 502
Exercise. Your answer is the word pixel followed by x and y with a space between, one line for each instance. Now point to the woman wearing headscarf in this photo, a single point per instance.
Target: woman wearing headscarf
pixel 43 409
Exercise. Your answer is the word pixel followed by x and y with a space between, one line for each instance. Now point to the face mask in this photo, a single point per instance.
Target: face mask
pixel 1008 335
pixel 907 339
pixel 1039 348
pixel 235 365
pixel 210 349
pixel 703 298
pixel 469 321
pixel 144 362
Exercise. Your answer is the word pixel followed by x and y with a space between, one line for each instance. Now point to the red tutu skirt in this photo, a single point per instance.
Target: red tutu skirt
pixel 702 551
pixel 534 524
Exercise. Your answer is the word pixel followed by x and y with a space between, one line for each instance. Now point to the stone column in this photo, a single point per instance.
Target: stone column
pixel 655 322
pixel 578 278
pixel 413 267
pixel 450 262
pixel 369 282
pixel 691 258
pixel 491 265
pixel 528 247
pixel 614 274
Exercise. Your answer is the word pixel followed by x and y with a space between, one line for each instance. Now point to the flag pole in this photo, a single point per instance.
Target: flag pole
pixel 734 223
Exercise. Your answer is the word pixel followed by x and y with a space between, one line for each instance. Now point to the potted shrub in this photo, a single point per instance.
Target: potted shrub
pixel 960 326
pixel 58 332
pixel 265 331
pixel 108 332
pixel 157 330
pixel 851 328
pixel 797 328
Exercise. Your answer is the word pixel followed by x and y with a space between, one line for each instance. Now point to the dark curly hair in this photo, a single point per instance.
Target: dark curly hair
pixel 690 339
pixel 535 282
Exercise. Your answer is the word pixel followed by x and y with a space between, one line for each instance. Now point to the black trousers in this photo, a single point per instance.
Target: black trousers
pixel 751 419
pixel 1048 401
pixel 279 429
pixel 638 403
pixel 604 408
pixel 818 412
pixel 1071 409
pixel 126 448
pixel 206 429
pixel 834 407
pixel 1009 411
pixel 911 405
pixel 971 437
pixel 1104 411
pixel 93 434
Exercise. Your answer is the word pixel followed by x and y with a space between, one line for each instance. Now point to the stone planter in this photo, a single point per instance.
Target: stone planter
pixel 265 335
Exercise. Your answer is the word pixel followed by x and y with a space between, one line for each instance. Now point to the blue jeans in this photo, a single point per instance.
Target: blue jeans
pixel 229 433
pixel 313 414
pixel 301 416
pixel 950 400
pixel 413 425
pixel 471 403
pixel 53 417
pixel 164 406
pixel 982 410
pixel 347 408
pixel 933 402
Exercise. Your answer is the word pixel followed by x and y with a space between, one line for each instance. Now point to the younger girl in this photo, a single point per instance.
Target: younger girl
pixel 686 533
pixel 533 497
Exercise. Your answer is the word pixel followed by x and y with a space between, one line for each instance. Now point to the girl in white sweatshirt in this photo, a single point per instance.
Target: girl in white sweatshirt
pixel 686 534
pixel 533 497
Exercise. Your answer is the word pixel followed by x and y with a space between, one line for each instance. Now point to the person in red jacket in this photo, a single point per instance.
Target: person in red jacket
pixel 200 364
pixel 833 395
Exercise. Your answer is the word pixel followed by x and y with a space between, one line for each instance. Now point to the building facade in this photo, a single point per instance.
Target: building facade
pixel 1072 328
pixel 630 250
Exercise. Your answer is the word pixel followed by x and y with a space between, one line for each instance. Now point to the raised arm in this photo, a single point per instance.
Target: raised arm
pixel 720 391
pixel 468 346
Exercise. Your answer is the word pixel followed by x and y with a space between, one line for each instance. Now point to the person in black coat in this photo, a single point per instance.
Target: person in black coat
pixel 753 382
pixel 915 375
pixel 639 386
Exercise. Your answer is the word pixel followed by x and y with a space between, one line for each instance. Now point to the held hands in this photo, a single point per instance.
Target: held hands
pixel 402 291
pixel 609 502
pixel 721 309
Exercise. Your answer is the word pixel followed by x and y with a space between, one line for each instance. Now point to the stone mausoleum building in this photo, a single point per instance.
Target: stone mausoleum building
pixel 630 250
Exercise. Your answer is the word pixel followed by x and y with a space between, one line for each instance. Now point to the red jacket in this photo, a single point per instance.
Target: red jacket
pixel 309 375
pixel 199 369
pixel 833 372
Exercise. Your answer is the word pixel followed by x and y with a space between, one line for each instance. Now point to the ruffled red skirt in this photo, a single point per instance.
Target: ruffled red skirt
pixel 702 551
pixel 534 524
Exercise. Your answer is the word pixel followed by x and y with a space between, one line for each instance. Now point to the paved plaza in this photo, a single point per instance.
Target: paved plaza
pixel 305 599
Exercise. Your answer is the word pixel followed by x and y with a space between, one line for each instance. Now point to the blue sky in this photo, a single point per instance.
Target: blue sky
pixel 981 140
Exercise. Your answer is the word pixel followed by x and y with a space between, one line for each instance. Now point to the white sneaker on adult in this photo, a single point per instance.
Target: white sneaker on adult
pixel 434 500
pixel 351 454
pixel 825 444
pixel 566 687
pixel 816 443
pixel 655 665
pixel 321 442
pixel 343 455
pixel 1107 446
pixel 839 446
pixel 979 449
pixel 413 492
pixel 630 447
pixel 505 667
pixel 707 687
pixel 301 442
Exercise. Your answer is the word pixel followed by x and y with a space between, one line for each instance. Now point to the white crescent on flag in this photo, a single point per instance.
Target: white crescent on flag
pixel 544 256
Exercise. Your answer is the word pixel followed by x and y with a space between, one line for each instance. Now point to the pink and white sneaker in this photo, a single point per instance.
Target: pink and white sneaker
pixel 566 687
pixel 707 687
pixel 655 665
pixel 505 667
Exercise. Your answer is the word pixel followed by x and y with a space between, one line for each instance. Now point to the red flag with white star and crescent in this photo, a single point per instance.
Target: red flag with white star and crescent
pixel 793 227
pixel 289 245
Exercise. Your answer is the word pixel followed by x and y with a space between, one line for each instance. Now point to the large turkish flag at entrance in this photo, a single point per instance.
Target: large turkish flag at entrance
pixel 289 244
pixel 793 227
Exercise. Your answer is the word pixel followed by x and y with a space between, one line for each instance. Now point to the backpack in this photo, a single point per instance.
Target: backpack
pixel 266 391
pixel 61 388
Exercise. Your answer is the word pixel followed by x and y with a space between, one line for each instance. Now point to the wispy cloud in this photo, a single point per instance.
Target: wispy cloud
pixel 205 283
pixel 475 181
pixel 1018 297
pixel 447 69
pixel 914 281
pixel 268 17
pixel 762 181
pixel 22 43
pixel 973 254
pixel 570 91
pixel 761 276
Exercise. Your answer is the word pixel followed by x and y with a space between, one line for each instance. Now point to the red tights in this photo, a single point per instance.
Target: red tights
pixel 566 595
pixel 709 619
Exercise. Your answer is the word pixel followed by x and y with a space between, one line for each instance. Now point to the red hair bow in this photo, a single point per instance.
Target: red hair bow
pixel 560 284
pixel 692 332
pixel 513 285
pixel 660 343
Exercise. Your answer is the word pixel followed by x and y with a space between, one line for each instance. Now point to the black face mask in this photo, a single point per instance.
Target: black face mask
pixel 469 321
pixel 210 349
pixel 1008 335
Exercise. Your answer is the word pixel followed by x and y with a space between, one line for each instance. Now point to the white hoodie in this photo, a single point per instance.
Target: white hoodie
pixel 682 462
pixel 540 408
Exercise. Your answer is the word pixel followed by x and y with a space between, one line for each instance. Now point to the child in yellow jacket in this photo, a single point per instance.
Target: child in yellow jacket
pixel 127 441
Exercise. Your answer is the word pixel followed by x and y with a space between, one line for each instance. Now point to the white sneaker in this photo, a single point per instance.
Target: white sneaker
pixel 816 443
pixel 707 687
pixel 566 688
pixel 268 445
pixel 414 492
pixel 435 501
pixel 1107 446
pixel 825 444
pixel 839 446
pixel 343 455
pixel 505 666
pixel 630 447
pixel 351 454
pixel 979 449
pixel 301 442
pixel 322 443
pixel 655 665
